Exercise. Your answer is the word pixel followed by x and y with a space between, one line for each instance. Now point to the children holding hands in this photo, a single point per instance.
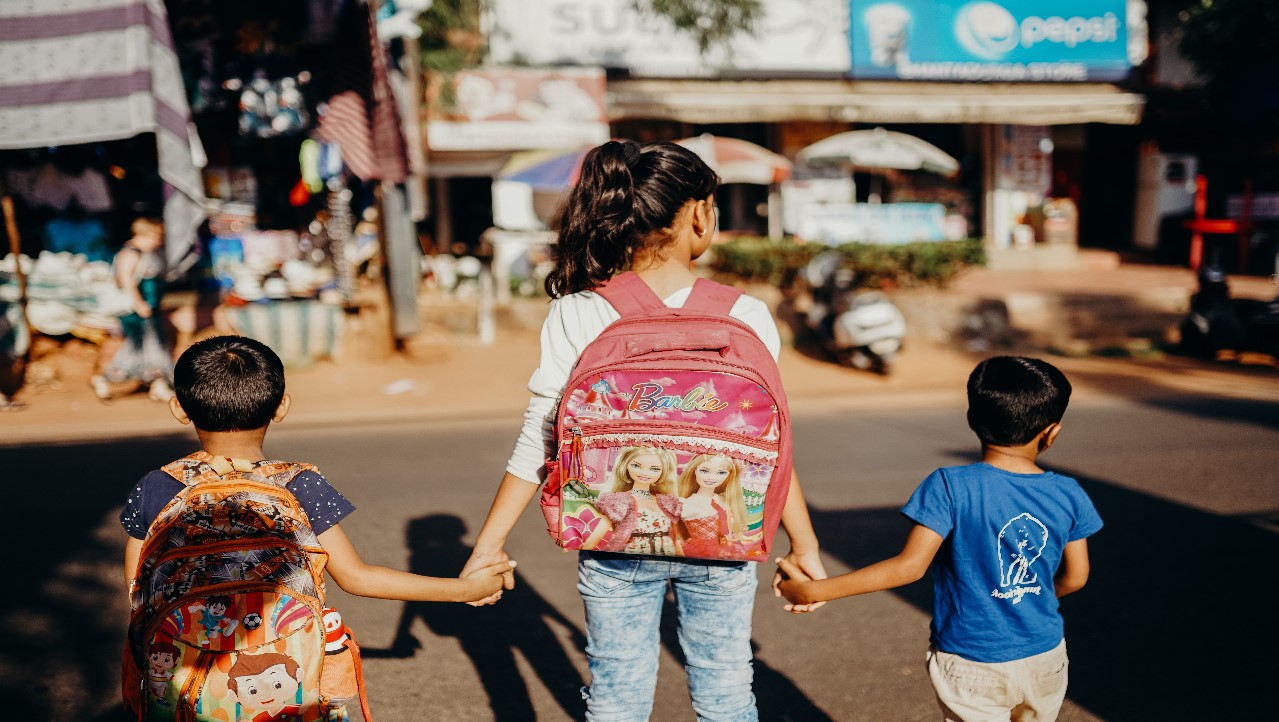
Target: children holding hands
pixel 1008 539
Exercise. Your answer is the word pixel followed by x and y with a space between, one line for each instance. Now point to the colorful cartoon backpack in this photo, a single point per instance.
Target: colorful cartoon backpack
pixel 228 619
pixel 673 433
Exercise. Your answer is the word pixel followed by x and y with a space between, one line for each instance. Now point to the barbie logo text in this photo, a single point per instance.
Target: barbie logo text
pixel 648 397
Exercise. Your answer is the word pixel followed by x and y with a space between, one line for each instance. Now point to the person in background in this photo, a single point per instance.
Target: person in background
pixel 144 355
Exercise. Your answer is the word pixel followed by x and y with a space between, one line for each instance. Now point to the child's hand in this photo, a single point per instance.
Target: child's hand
pixel 141 308
pixel 480 559
pixel 793 573
pixel 489 581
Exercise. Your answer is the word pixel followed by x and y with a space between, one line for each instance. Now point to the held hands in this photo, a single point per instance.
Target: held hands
pixel 489 581
pixel 792 573
pixel 481 562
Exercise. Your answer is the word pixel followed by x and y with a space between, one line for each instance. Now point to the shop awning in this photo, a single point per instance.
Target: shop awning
pixel 773 101
pixel 87 72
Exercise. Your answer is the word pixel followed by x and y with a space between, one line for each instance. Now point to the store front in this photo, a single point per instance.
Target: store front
pixel 292 160
pixel 943 72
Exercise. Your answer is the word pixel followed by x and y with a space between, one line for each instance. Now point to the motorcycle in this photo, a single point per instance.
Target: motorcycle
pixel 1218 322
pixel 861 328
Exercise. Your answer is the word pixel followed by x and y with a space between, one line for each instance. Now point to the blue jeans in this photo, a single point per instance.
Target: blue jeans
pixel 713 601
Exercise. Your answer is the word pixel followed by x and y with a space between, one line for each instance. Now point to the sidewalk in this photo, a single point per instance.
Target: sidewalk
pixel 449 375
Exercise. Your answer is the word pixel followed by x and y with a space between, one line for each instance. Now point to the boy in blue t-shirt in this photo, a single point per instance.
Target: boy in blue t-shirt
pixel 1009 539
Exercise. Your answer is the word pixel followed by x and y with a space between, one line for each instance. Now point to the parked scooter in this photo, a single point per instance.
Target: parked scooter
pixel 861 328
pixel 1218 322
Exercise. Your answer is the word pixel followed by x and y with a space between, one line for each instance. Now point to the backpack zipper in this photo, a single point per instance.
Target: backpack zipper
pixel 234 545
pixel 666 428
pixel 228 588
pixel 185 711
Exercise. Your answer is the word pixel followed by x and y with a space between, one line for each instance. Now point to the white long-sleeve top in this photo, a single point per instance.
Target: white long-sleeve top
pixel 572 322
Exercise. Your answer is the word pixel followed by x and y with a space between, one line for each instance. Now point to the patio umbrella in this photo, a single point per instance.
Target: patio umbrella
pixel 545 170
pixel 879 148
pixel 739 161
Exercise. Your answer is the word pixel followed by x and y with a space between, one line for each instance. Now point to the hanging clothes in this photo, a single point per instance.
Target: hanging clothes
pixel 361 115
pixel 81 73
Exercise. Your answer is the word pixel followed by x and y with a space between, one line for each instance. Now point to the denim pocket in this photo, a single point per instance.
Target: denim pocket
pixel 606 573
pixel 730 578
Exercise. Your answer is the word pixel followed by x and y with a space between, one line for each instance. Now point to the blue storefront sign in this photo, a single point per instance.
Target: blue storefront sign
pixel 989 40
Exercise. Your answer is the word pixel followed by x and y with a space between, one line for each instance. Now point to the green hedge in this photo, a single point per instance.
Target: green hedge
pixel 878 266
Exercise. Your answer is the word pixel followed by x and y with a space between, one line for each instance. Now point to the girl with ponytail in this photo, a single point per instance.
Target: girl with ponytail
pixel 649 209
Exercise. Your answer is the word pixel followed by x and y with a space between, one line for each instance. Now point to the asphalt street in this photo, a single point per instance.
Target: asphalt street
pixel 1177 622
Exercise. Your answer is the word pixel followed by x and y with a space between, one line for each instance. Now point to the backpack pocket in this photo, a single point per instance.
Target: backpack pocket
pixel 237 654
pixel 672 489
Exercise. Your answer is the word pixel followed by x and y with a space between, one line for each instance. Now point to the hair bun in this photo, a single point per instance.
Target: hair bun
pixel 630 152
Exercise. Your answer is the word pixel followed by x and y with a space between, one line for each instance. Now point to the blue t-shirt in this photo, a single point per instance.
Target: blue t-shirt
pixel 323 505
pixel 993 594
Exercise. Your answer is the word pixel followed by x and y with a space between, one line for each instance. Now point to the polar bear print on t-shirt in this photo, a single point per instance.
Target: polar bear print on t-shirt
pixel 1021 541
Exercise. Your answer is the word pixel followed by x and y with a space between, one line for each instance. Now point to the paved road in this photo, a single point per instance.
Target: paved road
pixel 1176 624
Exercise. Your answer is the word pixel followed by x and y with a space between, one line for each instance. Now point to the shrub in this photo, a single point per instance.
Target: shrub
pixel 779 263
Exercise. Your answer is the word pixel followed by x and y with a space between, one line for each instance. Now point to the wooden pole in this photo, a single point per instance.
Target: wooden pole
pixel 15 247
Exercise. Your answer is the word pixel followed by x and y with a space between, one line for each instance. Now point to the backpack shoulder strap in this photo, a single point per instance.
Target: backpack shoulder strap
pixel 711 297
pixel 629 295
pixel 202 466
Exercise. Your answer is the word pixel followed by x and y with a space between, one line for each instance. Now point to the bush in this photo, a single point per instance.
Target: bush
pixel 779 263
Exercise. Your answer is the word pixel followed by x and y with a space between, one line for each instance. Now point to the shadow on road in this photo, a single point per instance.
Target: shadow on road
pixel 1166 390
pixel 492 635
pixel 65 620
pixel 1177 620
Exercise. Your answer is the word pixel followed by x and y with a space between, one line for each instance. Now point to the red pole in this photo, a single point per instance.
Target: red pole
pixel 1245 223
pixel 1201 208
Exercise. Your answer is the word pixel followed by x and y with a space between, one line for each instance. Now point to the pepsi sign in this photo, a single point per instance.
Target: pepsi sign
pixel 990 40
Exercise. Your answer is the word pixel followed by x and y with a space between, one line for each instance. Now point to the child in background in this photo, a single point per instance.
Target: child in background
pixel 1009 539
pixel 143 356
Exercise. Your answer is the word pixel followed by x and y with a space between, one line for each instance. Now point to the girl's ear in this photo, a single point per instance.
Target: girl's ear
pixel 703 217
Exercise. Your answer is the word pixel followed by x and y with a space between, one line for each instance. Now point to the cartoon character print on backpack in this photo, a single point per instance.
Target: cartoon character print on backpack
pixel 707 390
pixel 227 622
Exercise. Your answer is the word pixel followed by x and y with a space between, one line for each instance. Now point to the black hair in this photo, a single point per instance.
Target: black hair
pixel 1011 399
pixel 229 383
pixel 627 193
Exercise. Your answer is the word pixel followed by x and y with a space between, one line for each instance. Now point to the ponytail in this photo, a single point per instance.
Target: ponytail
pixel 625 194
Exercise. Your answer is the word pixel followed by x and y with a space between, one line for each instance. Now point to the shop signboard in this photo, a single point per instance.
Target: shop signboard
pixel 990 40
pixel 497 109
pixel 886 223
pixel 791 38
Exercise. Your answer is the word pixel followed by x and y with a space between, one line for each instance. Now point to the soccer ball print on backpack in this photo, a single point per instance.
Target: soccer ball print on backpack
pixel 228 618
pixel 673 433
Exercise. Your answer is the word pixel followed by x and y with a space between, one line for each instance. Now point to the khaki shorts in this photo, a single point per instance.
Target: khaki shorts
pixel 1024 690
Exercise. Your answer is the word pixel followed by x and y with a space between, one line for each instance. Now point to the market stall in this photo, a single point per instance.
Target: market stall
pixel 96 133
pixel 270 230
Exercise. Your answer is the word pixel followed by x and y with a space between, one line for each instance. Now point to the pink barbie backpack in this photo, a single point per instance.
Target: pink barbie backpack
pixel 673 433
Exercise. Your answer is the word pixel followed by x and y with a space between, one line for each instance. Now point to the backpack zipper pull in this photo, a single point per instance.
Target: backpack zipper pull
pixel 574 467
